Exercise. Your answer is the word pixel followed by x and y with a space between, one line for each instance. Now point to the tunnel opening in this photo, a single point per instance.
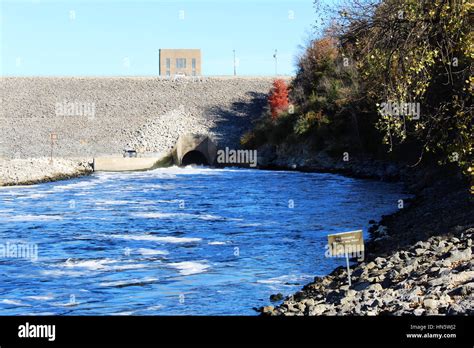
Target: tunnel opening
pixel 194 157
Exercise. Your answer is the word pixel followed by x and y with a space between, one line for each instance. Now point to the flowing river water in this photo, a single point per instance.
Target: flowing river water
pixel 175 241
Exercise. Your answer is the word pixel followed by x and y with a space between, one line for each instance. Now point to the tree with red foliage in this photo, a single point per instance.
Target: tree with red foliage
pixel 278 98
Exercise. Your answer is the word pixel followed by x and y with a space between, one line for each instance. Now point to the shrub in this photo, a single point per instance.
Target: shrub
pixel 309 121
pixel 278 98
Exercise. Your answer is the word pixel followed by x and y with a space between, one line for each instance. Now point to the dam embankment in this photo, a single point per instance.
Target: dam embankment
pixel 102 116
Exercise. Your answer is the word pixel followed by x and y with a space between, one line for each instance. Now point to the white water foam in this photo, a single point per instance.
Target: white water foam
pixel 252 224
pixel 115 202
pixel 161 187
pixel 286 279
pixel 155 238
pixel 190 267
pixel 143 281
pixel 128 266
pixel 14 303
pixel 157 215
pixel 101 265
pixel 193 169
pixel 161 201
pixel 9 188
pixel 41 298
pixel 75 185
pixel 93 265
pixel 41 313
pixel 91 218
pixel 209 217
pixel 150 252
pixel 160 215
pixel 19 218
pixel 62 273
pixel 33 196
pixel 66 304
pixel 154 308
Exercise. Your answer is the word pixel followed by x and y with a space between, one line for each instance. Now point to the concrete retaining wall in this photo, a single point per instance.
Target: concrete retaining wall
pixel 119 164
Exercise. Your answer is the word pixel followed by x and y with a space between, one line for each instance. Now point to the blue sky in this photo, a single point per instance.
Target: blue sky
pixel 115 38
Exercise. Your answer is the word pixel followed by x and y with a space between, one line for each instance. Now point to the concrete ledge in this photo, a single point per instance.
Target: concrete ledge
pixel 119 164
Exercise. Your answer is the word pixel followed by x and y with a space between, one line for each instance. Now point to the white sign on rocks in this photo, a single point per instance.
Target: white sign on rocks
pixel 347 244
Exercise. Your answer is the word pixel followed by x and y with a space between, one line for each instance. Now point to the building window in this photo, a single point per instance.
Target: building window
pixel 194 63
pixel 168 73
pixel 180 63
pixel 168 63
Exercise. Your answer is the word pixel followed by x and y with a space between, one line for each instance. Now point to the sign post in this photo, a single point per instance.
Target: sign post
pixel 53 137
pixel 348 269
pixel 343 244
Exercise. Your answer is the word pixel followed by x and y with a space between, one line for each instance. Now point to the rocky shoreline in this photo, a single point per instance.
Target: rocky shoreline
pixel 30 171
pixel 297 157
pixel 418 260
pixel 430 278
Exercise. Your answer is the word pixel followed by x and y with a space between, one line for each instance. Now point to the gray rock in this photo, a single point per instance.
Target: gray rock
pixel 439 281
pixel 457 255
pixel 418 311
pixel 292 308
pixel 361 286
pixel 344 308
pixel 268 309
pixel 455 309
pixel 463 290
pixel 462 277
pixel 430 303
pixel 406 270
pixel 299 295
pixel 420 251
pixel 276 297
pixel 334 297
pixel 301 306
pixel 319 309
pixel 423 245
pixel 413 295
pixel 375 287
pixel 375 303
pixel 380 261
pixel 444 300
pixel 359 272
pixel 370 265
pixel 396 258
pixel 444 271
pixel 350 293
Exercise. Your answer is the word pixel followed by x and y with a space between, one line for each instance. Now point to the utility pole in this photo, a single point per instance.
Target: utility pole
pixel 276 62
pixel 235 69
